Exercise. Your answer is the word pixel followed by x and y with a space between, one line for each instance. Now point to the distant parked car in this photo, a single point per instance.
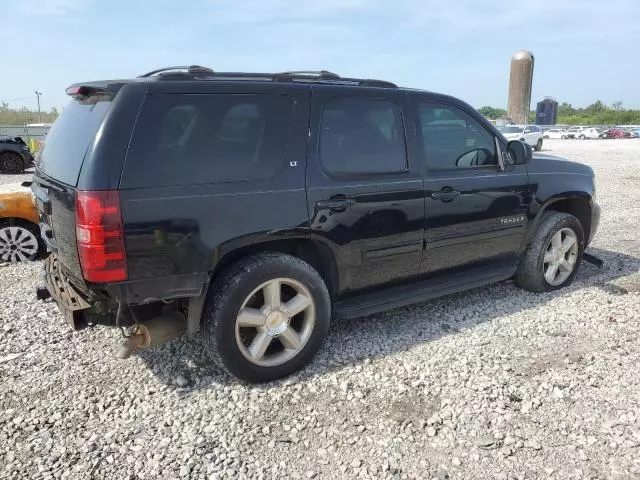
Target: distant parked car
pixel 19 232
pixel 588 133
pixel 15 155
pixel 633 133
pixel 574 132
pixel 530 134
pixel 555 133
pixel 615 133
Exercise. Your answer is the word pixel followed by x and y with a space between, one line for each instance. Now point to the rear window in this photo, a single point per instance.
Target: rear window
pixel 70 137
pixel 207 138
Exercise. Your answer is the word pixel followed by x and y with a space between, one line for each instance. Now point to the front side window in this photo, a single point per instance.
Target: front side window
pixel 454 139
pixel 362 136
pixel 212 138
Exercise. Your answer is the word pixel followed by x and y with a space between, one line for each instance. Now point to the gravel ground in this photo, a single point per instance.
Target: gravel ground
pixel 497 383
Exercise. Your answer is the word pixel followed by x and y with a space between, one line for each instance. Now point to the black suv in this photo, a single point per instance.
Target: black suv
pixel 254 207
pixel 15 155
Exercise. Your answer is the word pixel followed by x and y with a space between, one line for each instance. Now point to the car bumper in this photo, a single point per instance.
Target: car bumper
pixel 69 301
pixel 595 221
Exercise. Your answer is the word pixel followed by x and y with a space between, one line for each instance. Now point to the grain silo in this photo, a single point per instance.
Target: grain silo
pixel 520 83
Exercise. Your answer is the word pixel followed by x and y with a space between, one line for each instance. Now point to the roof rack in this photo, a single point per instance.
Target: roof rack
pixel 324 76
pixel 309 73
pixel 191 69
pixel 303 76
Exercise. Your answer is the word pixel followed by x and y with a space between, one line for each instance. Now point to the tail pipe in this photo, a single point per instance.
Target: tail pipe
pixel 154 332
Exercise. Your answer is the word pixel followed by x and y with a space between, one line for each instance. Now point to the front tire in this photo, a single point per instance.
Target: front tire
pixel 538 146
pixel 552 258
pixel 266 317
pixel 11 163
pixel 582 137
pixel 20 242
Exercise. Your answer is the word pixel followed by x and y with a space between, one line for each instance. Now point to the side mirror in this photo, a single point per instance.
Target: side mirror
pixel 520 152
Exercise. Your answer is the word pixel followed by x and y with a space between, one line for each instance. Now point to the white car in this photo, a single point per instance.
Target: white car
pixel 588 133
pixel 574 132
pixel 530 134
pixel 555 133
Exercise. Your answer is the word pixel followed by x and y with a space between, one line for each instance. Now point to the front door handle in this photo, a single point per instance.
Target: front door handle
pixel 445 195
pixel 335 204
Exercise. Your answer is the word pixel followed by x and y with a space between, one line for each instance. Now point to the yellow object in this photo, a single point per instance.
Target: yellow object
pixel 34 145
pixel 16 201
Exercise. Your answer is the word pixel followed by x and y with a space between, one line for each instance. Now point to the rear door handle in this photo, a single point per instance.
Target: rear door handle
pixel 445 196
pixel 336 204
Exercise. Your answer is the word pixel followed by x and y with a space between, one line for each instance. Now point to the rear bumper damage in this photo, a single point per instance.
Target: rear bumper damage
pixel 158 323
pixel 70 302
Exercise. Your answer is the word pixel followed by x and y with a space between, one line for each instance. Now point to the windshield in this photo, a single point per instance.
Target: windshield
pixel 69 139
pixel 509 129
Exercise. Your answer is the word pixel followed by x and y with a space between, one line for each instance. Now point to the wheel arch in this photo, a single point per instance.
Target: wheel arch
pixel 316 253
pixel 14 220
pixel 578 205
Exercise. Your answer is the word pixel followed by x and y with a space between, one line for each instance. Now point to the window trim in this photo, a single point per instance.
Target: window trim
pixel 351 175
pixel 418 128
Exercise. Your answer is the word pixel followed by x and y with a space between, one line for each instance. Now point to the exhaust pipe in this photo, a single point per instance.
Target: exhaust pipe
pixel 154 332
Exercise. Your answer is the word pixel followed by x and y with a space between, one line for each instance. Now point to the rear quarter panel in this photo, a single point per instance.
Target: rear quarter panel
pixel 186 230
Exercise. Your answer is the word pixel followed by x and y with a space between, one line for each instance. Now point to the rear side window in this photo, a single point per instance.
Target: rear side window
pixel 70 136
pixel 213 138
pixel 362 136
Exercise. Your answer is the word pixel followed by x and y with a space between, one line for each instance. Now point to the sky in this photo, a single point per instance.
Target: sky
pixel 584 49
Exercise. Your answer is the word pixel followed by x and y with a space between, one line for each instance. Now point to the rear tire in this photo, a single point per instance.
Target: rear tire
pixel 265 317
pixel 536 265
pixel 582 137
pixel 11 163
pixel 538 146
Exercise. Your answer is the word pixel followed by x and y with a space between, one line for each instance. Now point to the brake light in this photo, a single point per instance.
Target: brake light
pixel 100 236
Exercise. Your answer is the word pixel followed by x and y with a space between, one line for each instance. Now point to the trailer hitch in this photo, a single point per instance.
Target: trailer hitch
pixel 592 260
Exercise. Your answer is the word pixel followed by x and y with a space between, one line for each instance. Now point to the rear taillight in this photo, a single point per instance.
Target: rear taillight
pixel 100 236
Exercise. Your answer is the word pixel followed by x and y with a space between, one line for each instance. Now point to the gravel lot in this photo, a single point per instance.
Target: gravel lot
pixel 497 383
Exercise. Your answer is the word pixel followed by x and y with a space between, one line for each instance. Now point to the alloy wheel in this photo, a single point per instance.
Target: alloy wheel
pixel 275 322
pixel 560 257
pixel 17 244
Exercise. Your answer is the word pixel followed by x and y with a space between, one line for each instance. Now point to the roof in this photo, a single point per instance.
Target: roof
pixel 199 73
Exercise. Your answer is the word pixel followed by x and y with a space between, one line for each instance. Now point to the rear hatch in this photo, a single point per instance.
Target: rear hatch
pixel 68 144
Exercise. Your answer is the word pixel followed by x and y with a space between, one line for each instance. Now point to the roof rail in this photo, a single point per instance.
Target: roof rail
pixel 192 69
pixel 324 76
pixel 309 73
pixel 303 76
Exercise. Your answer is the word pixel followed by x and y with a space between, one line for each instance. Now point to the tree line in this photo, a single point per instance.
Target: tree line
pixel 595 114
pixel 13 116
